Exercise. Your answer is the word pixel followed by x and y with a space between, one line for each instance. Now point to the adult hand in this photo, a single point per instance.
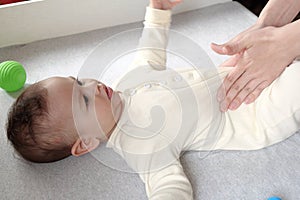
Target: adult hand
pixel 260 55
pixel 164 4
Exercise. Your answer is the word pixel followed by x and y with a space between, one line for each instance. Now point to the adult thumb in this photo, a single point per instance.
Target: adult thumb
pixel 229 48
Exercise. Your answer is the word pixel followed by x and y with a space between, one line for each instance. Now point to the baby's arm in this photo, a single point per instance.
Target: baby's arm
pixel 154 39
pixel 168 184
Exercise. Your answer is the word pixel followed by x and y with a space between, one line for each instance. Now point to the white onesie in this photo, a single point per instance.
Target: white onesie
pixel 167 112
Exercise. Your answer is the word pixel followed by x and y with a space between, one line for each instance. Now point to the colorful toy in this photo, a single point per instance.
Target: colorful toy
pixel 274 198
pixel 12 76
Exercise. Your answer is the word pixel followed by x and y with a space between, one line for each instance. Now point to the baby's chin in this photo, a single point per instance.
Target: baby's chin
pixel 116 105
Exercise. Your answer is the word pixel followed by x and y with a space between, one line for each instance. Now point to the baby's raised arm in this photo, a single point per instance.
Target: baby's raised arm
pixel 153 42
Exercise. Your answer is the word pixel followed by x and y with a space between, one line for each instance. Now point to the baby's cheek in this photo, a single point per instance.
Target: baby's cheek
pixel 103 109
pixel 102 106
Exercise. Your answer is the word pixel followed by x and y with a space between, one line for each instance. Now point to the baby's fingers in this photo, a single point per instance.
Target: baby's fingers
pixel 173 3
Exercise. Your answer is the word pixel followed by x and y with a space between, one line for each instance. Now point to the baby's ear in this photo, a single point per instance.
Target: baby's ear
pixel 83 146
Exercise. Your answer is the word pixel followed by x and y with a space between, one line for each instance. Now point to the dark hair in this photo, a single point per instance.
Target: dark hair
pixel 30 130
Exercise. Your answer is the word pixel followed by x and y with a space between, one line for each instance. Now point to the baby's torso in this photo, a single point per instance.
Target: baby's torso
pixel 167 112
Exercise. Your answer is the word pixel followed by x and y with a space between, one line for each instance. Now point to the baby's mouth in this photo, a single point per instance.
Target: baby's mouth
pixel 109 91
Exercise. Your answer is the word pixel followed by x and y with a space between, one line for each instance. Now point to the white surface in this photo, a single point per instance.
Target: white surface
pixel 25 22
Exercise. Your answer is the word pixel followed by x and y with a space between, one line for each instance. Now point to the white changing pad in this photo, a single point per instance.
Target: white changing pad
pixel 226 175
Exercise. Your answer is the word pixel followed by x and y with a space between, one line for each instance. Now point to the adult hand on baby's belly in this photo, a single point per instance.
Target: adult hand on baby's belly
pixel 259 57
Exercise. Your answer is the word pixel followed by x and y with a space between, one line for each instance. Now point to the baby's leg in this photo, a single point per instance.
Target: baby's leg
pixel 279 105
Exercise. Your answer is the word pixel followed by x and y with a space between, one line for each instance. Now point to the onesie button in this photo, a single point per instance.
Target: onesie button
pixel 130 92
pixel 147 85
pixel 177 78
pixel 191 76
pixel 161 83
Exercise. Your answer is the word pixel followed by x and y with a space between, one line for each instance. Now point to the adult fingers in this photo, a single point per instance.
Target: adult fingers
pixel 232 61
pixel 228 82
pixel 234 46
pixel 231 101
pixel 229 48
pixel 218 48
pixel 246 91
pixel 257 91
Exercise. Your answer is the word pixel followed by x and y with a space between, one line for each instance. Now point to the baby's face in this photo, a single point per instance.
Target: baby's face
pixel 90 98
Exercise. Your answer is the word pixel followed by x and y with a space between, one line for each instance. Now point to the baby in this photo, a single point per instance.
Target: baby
pixel 151 115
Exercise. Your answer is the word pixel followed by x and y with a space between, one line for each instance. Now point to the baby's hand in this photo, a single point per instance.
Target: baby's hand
pixel 164 4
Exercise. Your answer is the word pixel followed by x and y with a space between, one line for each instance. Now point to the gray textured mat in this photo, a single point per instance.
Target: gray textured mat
pixel 228 175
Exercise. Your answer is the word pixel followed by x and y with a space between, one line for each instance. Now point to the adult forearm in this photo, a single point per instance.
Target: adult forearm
pixel 279 12
pixel 292 35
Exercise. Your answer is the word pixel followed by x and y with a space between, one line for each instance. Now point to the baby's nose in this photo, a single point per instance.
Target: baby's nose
pixel 101 88
pixel 90 83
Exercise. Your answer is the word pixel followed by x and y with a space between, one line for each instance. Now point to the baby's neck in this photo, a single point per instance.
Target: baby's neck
pixel 123 101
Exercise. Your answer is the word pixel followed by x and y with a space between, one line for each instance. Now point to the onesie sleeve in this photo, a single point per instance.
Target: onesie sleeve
pixel 151 50
pixel 168 184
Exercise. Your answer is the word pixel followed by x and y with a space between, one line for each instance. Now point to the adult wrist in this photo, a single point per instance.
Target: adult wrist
pixel 259 24
pixel 279 12
pixel 290 36
pixel 295 38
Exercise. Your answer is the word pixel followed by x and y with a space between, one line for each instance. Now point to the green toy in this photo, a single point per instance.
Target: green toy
pixel 12 76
